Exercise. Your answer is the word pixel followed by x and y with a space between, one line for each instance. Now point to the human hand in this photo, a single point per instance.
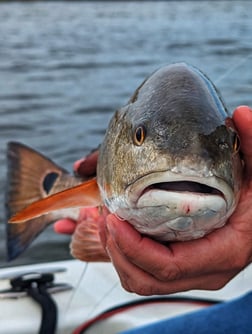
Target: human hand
pixel 85 167
pixel 85 244
pixel 147 267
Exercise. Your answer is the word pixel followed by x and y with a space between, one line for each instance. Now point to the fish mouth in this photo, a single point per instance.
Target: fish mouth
pixel 184 186
pixel 151 187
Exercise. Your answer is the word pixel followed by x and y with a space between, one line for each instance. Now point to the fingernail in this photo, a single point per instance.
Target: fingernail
pixel 109 254
pixel 111 227
pixel 77 164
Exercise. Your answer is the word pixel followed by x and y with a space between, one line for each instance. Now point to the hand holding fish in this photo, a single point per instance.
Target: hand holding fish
pixel 169 165
pixel 147 267
pixel 85 167
pixel 85 228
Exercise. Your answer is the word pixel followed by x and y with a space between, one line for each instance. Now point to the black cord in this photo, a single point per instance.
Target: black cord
pixel 123 307
pixel 36 285
pixel 164 299
pixel 49 310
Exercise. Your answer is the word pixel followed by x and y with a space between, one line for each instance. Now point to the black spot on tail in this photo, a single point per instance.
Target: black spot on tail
pixel 49 181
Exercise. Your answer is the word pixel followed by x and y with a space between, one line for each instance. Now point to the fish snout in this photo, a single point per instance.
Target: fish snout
pixel 170 206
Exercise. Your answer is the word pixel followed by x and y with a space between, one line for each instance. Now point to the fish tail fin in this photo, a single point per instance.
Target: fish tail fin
pixel 29 179
pixel 20 236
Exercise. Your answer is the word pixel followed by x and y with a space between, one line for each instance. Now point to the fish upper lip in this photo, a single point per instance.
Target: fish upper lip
pixel 154 180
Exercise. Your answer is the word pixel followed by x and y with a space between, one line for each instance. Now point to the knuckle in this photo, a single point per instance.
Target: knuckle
pixel 138 287
pixel 128 253
pixel 143 290
pixel 126 286
pixel 125 281
pixel 169 273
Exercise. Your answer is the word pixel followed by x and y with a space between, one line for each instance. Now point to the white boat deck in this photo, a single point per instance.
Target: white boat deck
pixel 95 288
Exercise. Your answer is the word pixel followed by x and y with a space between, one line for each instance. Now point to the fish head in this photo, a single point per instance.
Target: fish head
pixel 169 163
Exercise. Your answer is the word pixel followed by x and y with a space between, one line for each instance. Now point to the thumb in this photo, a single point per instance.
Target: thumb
pixel 86 167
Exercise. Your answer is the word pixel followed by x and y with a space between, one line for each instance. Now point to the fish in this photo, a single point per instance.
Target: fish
pixel 169 163
pixel 32 176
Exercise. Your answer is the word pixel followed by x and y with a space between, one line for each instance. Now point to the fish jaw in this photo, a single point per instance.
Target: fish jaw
pixel 170 206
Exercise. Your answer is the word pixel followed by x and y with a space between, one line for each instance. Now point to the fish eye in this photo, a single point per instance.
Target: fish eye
pixel 139 135
pixel 236 143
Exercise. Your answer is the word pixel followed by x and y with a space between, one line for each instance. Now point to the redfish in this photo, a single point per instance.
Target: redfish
pixel 169 163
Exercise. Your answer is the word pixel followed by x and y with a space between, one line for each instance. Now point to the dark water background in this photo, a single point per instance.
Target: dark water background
pixel 66 66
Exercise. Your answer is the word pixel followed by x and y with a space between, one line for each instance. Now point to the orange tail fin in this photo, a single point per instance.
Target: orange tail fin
pixel 86 194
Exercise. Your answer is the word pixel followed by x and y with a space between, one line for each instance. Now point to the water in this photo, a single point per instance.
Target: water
pixel 66 66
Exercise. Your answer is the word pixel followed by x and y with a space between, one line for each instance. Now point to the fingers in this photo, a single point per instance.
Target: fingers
pixel 147 267
pixel 86 244
pixel 87 166
pixel 65 226
pixel 142 251
pixel 243 121
pixel 134 265
pixel 68 226
pixel 173 261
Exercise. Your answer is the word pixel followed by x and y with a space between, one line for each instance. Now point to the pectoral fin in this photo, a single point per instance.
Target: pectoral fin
pixel 86 194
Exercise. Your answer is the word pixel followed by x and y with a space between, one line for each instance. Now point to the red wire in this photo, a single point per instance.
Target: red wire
pixel 108 314
pixel 97 318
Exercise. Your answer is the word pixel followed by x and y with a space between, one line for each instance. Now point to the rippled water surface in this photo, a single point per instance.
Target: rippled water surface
pixel 66 66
